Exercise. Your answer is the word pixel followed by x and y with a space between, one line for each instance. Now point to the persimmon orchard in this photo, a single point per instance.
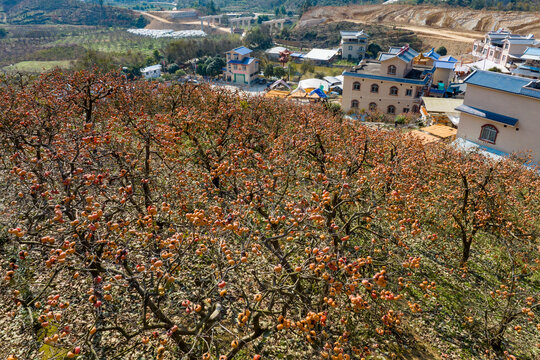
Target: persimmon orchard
pixel 144 220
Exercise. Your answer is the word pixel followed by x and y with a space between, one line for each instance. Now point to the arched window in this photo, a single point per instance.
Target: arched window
pixel 372 107
pixel 356 85
pixel 394 91
pixel 354 104
pixel 391 70
pixel 391 109
pixel 374 88
pixel 489 133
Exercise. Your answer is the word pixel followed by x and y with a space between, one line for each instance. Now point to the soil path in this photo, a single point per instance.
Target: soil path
pixel 160 19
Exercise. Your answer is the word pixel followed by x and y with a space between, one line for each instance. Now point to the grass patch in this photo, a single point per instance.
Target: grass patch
pixel 38 66
pixel 114 41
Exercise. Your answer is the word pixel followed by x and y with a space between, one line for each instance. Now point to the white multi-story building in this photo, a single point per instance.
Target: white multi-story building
pixel 353 45
pixel 503 47
pixel 151 72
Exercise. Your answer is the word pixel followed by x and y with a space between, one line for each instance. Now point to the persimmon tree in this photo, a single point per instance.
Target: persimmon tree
pixel 144 219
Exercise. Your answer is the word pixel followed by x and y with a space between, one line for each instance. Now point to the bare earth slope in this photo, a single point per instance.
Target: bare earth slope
pixel 473 22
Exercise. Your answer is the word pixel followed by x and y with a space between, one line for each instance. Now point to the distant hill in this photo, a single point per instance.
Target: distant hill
pixel 299 5
pixel 73 12
pixel 269 5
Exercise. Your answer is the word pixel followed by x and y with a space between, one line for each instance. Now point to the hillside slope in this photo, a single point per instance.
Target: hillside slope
pixel 66 12
pixel 440 17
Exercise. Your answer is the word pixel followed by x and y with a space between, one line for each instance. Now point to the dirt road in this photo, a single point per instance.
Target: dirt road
pixel 154 17
pixel 443 34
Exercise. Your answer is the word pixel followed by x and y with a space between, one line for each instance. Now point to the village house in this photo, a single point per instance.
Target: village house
pixel 321 56
pixel 274 53
pixel 487 120
pixel 502 47
pixel 353 45
pixel 151 72
pixel 390 85
pixel 241 68
pixel 530 64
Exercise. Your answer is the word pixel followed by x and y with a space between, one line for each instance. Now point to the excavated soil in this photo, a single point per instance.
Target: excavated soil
pixel 435 25
pixel 431 16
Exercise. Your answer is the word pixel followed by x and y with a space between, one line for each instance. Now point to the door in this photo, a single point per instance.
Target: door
pixel 239 78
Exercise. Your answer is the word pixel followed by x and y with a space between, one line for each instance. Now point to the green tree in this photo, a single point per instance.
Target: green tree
pixel 442 50
pixel 173 68
pixel 157 56
pixel 269 70
pixel 373 49
pixel 279 72
pixel 306 67
pixel 291 67
pixel 258 38
pixel 214 66
pixel 141 22
pixel 262 18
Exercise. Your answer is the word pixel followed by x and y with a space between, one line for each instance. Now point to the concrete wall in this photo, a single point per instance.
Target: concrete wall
pixel 383 98
pixel 524 136
pixel 444 75
pixel 402 68
pixel 357 52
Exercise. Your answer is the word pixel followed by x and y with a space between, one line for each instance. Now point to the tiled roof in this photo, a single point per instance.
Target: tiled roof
pixel 321 54
pixel 276 50
pixel 245 61
pixel 448 58
pixel 356 34
pixel 242 50
pixel 388 78
pixel 531 54
pixel 404 53
pixel 432 54
pixel 522 41
pixel 488 115
pixel 151 68
pixel 445 65
pixel 512 84
pixel 525 70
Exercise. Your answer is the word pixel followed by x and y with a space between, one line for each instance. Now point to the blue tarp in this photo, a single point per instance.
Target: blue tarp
pixel 319 92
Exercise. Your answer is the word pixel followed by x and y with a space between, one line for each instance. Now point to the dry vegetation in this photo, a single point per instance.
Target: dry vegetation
pixel 144 220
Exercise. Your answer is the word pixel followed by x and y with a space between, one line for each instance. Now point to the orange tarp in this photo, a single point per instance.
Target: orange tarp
pixel 441 131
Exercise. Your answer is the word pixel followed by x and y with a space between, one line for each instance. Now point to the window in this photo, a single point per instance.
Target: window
pixel 235 67
pixel 372 107
pixel 408 92
pixel 506 46
pixel 394 91
pixel 356 85
pixel 374 88
pixel 391 70
pixel 405 110
pixel 489 133
pixel 350 47
pixel 391 109
pixel 415 108
pixel 354 104
pixel 504 58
